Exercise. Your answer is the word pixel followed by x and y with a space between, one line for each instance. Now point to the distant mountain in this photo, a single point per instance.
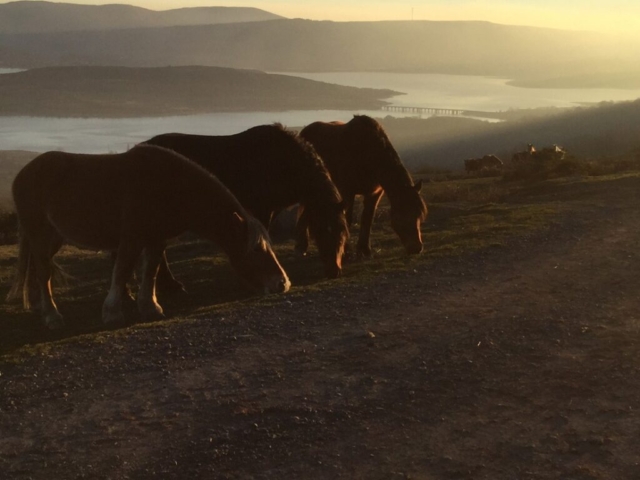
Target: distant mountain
pixel 44 17
pixel 137 92
pixel 478 48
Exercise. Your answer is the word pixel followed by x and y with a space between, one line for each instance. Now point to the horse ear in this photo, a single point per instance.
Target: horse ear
pixel 238 221
pixel 418 185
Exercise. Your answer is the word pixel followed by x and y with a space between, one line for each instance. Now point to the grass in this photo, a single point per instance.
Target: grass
pixel 465 215
pixel 213 288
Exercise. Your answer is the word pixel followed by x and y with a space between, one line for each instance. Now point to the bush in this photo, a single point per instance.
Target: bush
pixel 608 166
pixel 8 227
pixel 543 170
pixel 535 171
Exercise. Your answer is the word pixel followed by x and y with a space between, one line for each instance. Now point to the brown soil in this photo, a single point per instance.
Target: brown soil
pixel 516 362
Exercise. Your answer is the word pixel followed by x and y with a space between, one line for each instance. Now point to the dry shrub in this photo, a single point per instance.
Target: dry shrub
pixel 544 170
pixel 608 166
pixel 8 227
pixel 535 170
pixel 468 192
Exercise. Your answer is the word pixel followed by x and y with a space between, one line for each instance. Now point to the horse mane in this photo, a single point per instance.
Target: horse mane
pixel 317 187
pixel 370 132
pixel 255 232
pixel 417 205
pixel 211 181
pixel 398 179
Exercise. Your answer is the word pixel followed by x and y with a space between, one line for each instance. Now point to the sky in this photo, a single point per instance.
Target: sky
pixel 611 16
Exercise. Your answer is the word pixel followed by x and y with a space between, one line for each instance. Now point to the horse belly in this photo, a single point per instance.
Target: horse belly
pixel 90 223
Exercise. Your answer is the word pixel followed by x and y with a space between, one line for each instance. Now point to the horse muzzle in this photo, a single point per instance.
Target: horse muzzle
pixel 414 248
pixel 332 271
pixel 278 284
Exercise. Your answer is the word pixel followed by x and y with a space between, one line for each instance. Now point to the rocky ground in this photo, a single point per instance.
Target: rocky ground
pixel 518 361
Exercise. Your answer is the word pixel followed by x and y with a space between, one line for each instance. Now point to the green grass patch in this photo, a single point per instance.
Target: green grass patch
pixel 481 213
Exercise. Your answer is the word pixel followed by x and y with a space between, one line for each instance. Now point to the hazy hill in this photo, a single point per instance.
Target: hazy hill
pixel 125 92
pixel 11 161
pixel 608 129
pixel 302 45
pixel 38 17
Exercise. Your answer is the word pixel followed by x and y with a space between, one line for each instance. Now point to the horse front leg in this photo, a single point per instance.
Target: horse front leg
pixel 125 261
pixel 348 201
pixel 166 283
pixel 302 231
pixel 370 203
pixel 147 302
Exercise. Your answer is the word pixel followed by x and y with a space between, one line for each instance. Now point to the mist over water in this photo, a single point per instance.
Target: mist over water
pixel 94 135
pixel 468 92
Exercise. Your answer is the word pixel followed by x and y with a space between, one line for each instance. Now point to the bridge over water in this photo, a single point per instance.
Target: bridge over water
pixel 429 110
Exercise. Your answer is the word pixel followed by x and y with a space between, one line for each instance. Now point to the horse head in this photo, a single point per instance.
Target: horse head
pixel 252 256
pixel 328 226
pixel 407 214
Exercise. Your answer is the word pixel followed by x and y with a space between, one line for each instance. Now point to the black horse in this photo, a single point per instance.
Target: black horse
pixel 269 168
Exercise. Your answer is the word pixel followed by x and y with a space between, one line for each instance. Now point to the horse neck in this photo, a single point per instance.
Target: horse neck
pixel 319 191
pixel 213 219
pixel 395 180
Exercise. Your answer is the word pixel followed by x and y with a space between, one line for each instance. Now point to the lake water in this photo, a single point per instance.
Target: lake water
pixel 426 90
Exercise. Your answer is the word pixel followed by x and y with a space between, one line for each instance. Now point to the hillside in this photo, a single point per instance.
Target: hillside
pixel 134 92
pixel 39 17
pixel 479 48
pixel 607 129
pixel 507 350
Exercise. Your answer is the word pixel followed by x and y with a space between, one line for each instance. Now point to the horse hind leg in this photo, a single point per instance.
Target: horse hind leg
pixel 126 256
pixel 44 245
pixel 147 302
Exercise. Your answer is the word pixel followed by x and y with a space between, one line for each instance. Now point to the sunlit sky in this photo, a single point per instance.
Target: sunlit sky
pixel 612 16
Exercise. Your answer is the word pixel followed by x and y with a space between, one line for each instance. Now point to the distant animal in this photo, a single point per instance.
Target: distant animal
pixel 487 162
pixel 269 168
pixel 525 156
pixel 131 203
pixel 472 165
pixel 362 161
pixel 553 153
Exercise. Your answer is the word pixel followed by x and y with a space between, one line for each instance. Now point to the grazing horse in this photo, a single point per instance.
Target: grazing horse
pixel 130 203
pixel 520 157
pixel 486 162
pixel 362 161
pixel 472 165
pixel 553 153
pixel 269 168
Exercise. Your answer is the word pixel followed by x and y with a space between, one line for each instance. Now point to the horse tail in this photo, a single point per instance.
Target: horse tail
pixel 23 282
pixel 20 287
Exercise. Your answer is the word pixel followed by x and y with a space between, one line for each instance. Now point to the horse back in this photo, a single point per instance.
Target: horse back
pixel 261 166
pixel 347 155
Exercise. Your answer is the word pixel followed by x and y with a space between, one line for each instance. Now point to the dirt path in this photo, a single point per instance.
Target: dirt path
pixel 514 363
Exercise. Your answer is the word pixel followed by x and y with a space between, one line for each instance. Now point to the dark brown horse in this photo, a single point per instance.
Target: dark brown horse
pixel 488 162
pixel 362 161
pixel 130 202
pixel 269 168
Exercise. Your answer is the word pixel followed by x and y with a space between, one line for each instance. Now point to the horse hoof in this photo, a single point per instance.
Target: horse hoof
pixel 113 318
pixel 152 315
pixel 54 321
pixel 171 288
